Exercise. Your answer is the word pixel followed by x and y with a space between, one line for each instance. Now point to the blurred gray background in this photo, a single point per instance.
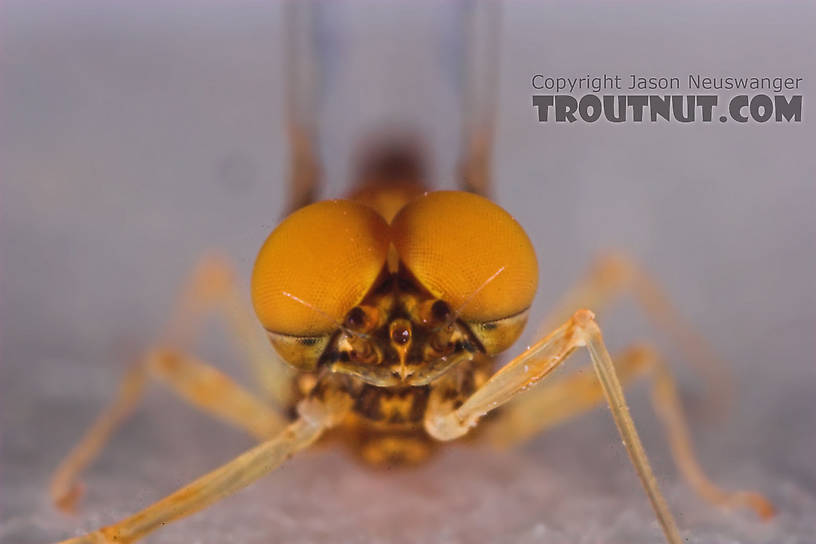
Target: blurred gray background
pixel 135 136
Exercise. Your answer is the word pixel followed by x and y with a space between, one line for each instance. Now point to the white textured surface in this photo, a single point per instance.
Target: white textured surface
pixel 137 135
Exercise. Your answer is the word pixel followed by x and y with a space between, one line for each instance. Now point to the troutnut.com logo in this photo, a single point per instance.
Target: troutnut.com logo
pixel 757 99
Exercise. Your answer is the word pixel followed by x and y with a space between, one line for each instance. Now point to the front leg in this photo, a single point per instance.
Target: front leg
pixel 444 422
pixel 316 416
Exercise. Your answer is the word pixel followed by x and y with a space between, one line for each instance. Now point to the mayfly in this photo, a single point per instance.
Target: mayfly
pixel 391 306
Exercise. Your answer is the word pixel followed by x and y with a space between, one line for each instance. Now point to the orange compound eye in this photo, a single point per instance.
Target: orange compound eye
pixel 468 252
pixel 317 265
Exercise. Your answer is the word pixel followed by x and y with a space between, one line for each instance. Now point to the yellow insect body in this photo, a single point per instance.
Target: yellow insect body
pixel 391 306
pixel 457 288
